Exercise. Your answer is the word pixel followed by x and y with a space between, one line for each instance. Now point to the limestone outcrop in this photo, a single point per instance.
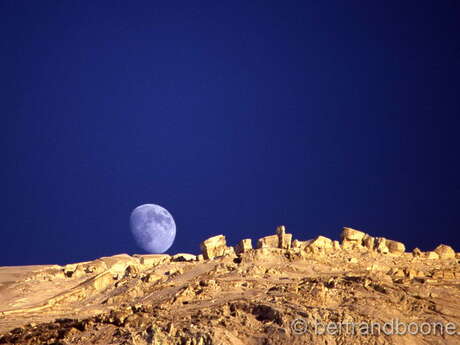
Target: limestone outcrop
pixel 243 246
pixel 351 238
pixel 280 240
pixel 234 296
pixel 356 239
pixel 215 246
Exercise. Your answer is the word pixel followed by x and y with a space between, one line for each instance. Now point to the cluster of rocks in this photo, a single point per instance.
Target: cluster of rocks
pixel 107 269
pixel 351 239
pixel 233 295
pixel 280 240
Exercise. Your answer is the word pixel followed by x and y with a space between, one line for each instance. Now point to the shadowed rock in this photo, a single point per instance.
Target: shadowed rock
pixel 243 246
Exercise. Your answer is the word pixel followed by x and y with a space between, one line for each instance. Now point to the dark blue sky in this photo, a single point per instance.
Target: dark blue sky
pixel 236 117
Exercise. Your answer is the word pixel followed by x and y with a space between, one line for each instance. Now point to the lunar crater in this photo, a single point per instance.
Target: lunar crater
pixel 153 228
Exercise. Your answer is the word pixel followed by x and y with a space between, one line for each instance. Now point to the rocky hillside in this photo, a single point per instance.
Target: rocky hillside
pixel 283 291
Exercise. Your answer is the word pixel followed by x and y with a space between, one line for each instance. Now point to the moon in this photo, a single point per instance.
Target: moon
pixel 153 228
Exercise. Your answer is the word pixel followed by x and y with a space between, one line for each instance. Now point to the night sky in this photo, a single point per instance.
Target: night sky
pixel 235 116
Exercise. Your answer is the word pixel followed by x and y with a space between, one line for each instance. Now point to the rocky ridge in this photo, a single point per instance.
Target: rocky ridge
pixel 235 295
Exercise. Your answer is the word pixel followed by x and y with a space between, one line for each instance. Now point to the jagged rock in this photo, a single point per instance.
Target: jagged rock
pixel 249 299
pixel 351 238
pixel 381 245
pixel 417 253
pixel 368 242
pixel 445 252
pixel 321 242
pixel 243 246
pixel 280 240
pixel 350 234
pixel 395 247
pixel 284 239
pixel 216 246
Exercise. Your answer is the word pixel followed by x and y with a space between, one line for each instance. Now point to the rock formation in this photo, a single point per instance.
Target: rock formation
pixel 215 246
pixel 236 295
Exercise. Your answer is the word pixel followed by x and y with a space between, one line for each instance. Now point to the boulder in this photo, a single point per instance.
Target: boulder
pixel 445 252
pixel 350 234
pixel 215 246
pixel 395 247
pixel 351 238
pixel 243 246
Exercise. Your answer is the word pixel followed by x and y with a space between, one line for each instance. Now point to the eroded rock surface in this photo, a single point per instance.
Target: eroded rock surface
pixel 240 295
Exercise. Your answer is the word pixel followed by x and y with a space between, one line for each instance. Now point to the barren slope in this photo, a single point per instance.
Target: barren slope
pixel 252 296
